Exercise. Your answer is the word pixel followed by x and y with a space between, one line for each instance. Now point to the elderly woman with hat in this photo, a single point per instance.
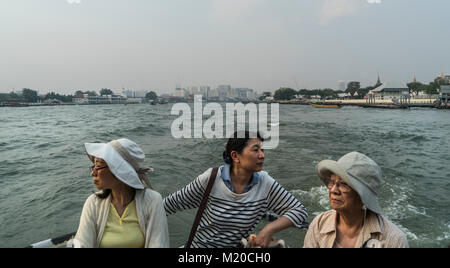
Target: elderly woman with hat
pixel 356 219
pixel 126 213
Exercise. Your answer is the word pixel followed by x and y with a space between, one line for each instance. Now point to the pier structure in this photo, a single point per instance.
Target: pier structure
pixel 445 97
pixel 388 98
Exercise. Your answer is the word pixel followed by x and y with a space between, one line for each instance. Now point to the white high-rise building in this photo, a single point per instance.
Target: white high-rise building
pixel 195 90
pixel 224 91
pixel 213 93
pixel 127 93
pixel 180 92
pixel 140 94
pixel 341 85
pixel 203 90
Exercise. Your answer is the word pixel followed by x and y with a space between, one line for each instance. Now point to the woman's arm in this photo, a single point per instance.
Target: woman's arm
pixel 291 211
pixel 157 235
pixel 285 204
pixel 189 197
pixel 87 234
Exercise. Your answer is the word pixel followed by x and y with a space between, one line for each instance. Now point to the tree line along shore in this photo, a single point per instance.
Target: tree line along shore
pixel 354 94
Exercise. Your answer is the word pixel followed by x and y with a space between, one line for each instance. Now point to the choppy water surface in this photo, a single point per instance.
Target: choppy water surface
pixel 44 173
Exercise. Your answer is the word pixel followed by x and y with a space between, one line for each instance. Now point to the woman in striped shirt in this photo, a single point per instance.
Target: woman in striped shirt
pixel 240 197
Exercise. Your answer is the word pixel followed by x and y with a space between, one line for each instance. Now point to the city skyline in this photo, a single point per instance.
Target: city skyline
pixel 340 86
pixel 70 45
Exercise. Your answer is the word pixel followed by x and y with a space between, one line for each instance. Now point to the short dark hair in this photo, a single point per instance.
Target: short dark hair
pixel 238 142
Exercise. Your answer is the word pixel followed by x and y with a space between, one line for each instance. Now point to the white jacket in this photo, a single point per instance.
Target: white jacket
pixel 151 215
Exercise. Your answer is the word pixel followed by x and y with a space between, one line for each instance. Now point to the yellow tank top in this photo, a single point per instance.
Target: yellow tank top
pixel 123 232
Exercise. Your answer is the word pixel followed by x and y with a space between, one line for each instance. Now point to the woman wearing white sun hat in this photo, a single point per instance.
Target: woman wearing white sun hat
pixel 356 219
pixel 126 212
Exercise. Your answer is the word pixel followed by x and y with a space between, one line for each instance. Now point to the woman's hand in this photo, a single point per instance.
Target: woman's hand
pixel 262 240
pixel 264 237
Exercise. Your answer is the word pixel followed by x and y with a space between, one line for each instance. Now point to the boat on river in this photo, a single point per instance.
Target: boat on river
pixel 68 241
pixel 332 106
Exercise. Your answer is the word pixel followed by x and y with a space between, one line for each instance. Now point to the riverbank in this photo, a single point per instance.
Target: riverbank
pixel 25 104
pixel 354 102
pixel 386 104
pixel 425 103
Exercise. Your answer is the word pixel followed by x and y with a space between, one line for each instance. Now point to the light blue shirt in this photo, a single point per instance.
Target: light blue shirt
pixel 225 175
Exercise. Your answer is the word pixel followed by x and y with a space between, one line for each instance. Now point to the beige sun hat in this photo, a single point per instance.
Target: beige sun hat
pixel 360 172
pixel 124 158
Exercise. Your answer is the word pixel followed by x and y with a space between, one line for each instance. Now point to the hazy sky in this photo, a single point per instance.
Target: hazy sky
pixel 66 45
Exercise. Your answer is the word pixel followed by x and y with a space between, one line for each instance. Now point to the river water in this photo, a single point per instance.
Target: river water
pixel 44 173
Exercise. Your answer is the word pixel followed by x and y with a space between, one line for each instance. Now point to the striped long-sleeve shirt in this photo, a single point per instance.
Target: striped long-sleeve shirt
pixel 228 216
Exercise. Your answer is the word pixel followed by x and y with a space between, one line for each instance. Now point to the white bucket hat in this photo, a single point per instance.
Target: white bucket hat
pixel 360 172
pixel 124 158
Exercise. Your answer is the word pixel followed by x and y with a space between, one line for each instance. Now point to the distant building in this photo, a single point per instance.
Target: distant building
pixel 180 93
pixel 341 85
pixel 128 93
pixel 204 90
pixel 140 94
pixel 445 89
pixel 378 83
pixel 234 94
pixel 344 96
pixel 195 90
pixel 213 94
pixel 221 93
pixel 395 92
pixel 251 95
pixel 445 94
pixel 445 79
pixel 244 94
pixel 134 94
pixel 94 99
pixel 224 91
pixel 385 93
